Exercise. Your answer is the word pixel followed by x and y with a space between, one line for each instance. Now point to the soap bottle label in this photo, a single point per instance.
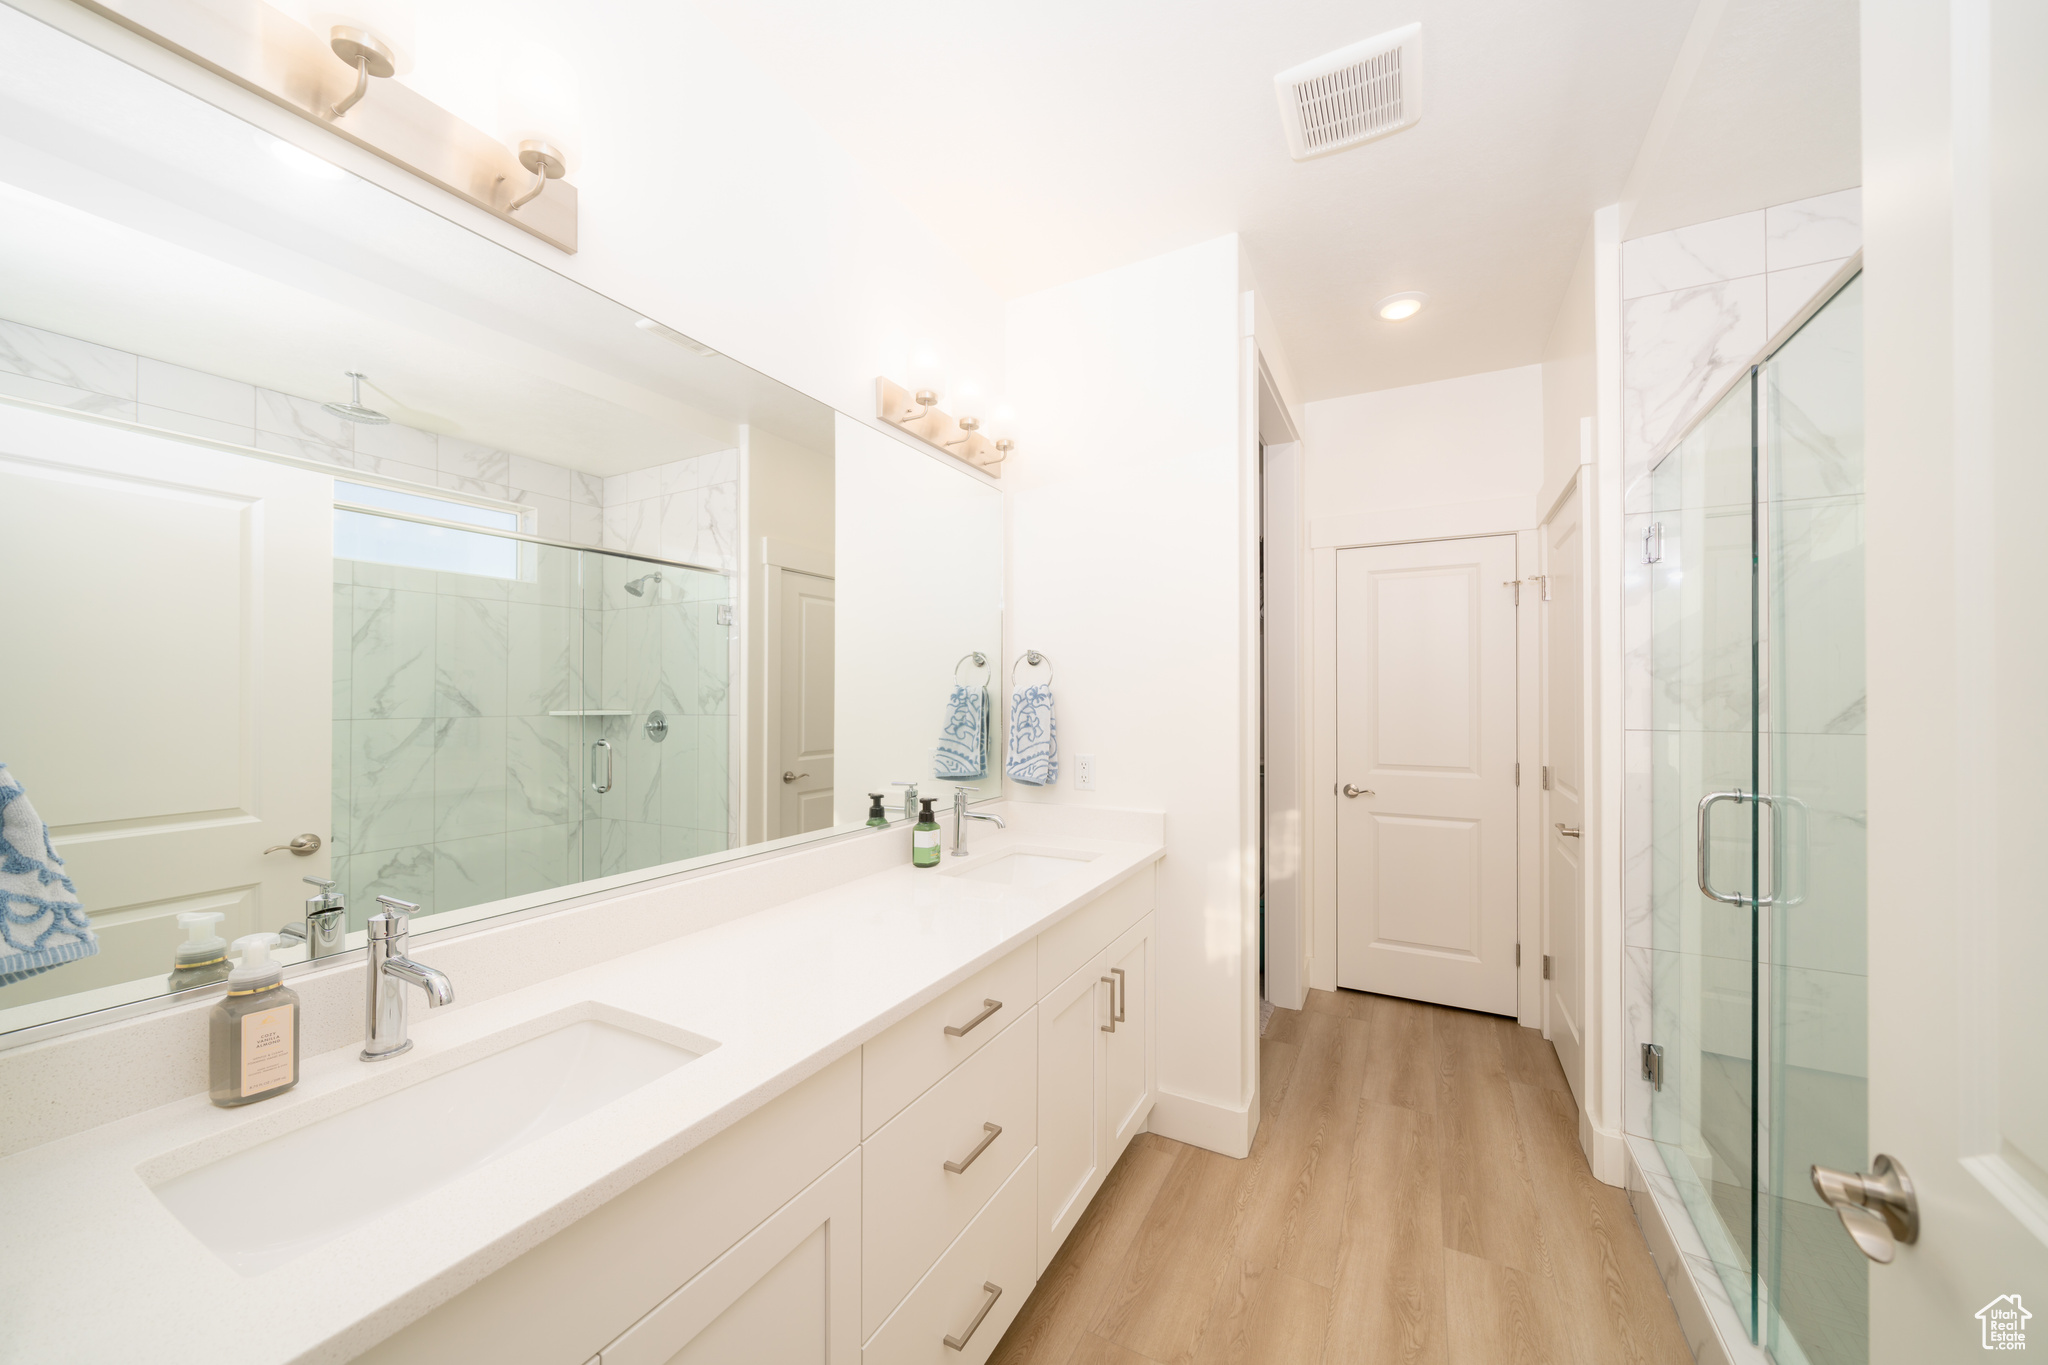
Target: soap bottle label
pixel 267 1049
pixel 924 847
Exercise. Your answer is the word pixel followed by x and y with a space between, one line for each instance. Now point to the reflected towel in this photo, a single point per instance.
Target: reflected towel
pixel 42 925
pixel 1034 736
pixel 963 739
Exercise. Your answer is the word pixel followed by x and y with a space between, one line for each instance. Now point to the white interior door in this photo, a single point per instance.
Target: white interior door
pixel 1426 771
pixel 1562 613
pixel 167 698
pixel 803 666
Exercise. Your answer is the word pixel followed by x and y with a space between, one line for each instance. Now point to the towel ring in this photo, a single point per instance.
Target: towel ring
pixel 980 661
pixel 1034 658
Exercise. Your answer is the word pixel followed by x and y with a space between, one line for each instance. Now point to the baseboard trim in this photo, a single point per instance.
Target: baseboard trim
pixel 1606 1152
pixel 1705 1316
pixel 1199 1123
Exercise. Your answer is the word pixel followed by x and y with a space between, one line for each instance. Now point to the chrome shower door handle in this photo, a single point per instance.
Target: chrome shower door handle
pixel 1878 1210
pixel 1702 833
pixel 601 749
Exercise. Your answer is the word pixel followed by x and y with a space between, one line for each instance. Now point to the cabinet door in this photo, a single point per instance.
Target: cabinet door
pixel 1073 1022
pixel 788 1294
pixel 1129 1068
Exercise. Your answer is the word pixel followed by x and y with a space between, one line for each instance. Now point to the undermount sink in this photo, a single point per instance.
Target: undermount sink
pixel 279 1199
pixel 1025 867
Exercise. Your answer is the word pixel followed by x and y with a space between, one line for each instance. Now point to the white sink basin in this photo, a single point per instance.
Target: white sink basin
pixel 1025 867
pixel 279 1199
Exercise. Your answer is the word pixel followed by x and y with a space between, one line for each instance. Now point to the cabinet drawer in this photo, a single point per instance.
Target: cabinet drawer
pixel 902 1063
pixel 919 1204
pixel 1074 940
pixel 995 1253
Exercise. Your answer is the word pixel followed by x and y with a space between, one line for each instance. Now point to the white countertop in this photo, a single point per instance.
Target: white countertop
pixel 97 1270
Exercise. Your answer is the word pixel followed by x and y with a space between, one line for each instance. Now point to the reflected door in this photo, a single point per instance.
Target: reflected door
pixel 176 723
pixel 1426 766
pixel 803 711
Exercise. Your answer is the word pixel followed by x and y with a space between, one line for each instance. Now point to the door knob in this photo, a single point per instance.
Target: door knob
pixel 305 846
pixel 1355 792
pixel 1878 1210
pixel 1567 831
pixel 793 776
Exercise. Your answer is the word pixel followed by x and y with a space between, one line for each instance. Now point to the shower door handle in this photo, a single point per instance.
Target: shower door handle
pixel 1702 836
pixel 601 749
pixel 1878 1210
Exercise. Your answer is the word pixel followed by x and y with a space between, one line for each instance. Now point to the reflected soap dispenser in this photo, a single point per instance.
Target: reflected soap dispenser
pixel 202 959
pixel 253 1034
pixel 924 835
pixel 877 817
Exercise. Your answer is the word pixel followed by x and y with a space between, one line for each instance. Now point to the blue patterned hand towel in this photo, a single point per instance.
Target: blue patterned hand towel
pixel 42 925
pixel 1034 736
pixel 963 740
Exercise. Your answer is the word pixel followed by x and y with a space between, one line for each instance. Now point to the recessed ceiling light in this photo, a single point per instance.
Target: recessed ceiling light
pixel 1401 307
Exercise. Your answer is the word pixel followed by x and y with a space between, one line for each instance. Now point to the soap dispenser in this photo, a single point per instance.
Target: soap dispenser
pixel 253 1034
pixel 877 817
pixel 924 835
pixel 202 958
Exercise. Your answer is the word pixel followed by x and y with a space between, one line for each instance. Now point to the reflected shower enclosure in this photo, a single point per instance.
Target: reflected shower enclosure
pixel 512 716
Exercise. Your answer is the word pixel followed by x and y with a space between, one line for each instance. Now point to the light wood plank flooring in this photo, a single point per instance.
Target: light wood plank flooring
pixel 1416 1193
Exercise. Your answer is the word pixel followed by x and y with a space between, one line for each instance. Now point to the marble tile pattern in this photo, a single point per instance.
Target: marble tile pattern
pixel 1700 301
pixel 686 510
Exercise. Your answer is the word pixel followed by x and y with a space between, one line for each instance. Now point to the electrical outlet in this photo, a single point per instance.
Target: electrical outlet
pixel 1084 773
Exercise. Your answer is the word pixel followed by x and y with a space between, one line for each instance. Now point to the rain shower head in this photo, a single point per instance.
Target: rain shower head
pixel 353 410
pixel 638 587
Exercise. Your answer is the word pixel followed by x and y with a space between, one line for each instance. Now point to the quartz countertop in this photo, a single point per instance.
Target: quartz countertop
pixel 98 1270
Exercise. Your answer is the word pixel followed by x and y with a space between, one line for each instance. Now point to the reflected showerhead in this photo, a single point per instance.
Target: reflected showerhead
pixel 353 410
pixel 638 587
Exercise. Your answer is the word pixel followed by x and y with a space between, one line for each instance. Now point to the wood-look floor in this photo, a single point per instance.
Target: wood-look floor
pixel 1416 1193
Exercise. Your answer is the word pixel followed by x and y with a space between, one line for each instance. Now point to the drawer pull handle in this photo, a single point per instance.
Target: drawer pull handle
pixel 994 1292
pixel 1110 1027
pixel 993 1132
pixel 1122 992
pixel 962 1030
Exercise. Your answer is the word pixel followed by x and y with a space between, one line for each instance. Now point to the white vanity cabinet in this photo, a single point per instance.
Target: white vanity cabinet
pixel 897 1207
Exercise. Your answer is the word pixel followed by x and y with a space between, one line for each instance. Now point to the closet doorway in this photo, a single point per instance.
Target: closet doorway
pixel 1426 771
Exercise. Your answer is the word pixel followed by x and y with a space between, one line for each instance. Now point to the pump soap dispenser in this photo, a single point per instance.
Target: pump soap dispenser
pixel 253 1034
pixel 202 958
pixel 877 817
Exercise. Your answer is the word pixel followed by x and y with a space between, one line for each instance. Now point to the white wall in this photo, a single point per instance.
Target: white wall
pixel 1454 442
pixel 1569 385
pixel 1129 509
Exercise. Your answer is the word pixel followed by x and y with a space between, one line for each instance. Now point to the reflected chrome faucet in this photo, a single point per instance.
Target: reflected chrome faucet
pixel 961 815
pixel 324 930
pixel 391 971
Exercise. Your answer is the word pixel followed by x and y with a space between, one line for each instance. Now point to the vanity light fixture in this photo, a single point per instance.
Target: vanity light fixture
pixel 367 55
pixel 916 411
pixel 1400 307
pixel 546 162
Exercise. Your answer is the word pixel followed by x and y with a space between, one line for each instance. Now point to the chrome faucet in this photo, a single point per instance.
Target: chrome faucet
pixel 391 970
pixel 324 930
pixel 909 800
pixel 961 815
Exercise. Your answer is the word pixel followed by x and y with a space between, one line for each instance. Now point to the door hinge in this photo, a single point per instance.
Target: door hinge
pixel 1518 954
pixel 1546 966
pixel 1518 774
pixel 1653 1065
pixel 1546 777
pixel 1516 584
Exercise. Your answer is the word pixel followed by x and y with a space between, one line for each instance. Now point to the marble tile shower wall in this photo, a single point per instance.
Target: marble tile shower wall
pixel 66 372
pixel 1698 303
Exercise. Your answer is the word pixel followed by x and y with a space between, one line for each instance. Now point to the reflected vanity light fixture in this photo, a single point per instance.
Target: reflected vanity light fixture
pixel 916 410
pixel 367 55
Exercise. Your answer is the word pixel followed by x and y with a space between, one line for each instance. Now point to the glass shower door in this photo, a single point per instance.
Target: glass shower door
pixel 1704 698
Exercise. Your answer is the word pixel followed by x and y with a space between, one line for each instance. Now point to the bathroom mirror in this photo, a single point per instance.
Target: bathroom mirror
pixel 344 543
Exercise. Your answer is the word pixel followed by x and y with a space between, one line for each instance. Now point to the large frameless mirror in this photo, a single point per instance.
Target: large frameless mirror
pixel 347 547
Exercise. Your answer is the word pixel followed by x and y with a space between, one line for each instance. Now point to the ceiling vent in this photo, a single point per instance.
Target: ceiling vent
pixel 1352 95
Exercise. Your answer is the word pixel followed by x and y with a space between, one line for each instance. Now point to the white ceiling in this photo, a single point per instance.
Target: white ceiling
pixel 1050 141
